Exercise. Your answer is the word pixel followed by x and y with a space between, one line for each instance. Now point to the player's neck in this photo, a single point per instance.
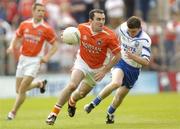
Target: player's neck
pixel 93 31
pixel 37 21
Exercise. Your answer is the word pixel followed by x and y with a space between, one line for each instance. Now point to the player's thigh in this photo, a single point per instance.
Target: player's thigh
pixel 84 88
pixel 117 76
pixel 76 76
pixel 18 83
pixel 25 83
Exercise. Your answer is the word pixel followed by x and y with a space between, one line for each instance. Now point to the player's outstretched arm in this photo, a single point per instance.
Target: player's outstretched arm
pixel 138 59
pixel 99 76
pixel 51 52
pixel 13 44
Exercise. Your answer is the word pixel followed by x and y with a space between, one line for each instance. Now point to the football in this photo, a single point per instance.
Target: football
pixel 71 36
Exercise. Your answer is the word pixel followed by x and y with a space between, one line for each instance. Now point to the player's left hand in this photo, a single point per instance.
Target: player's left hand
pixel 129 54
pixel 99 75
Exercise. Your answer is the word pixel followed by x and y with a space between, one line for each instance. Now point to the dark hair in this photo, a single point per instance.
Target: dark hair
pixel 35 5
pixel 92 12
pixel 134 22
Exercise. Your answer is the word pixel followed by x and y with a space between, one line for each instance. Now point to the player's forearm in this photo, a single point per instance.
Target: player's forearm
pixel 113 61
pixel 141 60
pixel 52 50
pixel 14 42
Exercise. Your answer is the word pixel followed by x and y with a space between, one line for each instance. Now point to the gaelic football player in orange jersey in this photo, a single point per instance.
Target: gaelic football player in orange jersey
pixel 32 33
pixel 89 66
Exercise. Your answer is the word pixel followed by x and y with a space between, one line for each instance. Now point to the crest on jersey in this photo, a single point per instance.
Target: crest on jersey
pixel 136 44
pixel 99 42
pixel 40 32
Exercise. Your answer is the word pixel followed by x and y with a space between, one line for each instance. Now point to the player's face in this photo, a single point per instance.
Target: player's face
pixel 98 22
pixel 39 13
pixel 133 32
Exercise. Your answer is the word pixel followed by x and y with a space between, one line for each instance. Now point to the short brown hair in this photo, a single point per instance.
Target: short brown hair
pixel 92 12
pixel 35 5
pixel 134 22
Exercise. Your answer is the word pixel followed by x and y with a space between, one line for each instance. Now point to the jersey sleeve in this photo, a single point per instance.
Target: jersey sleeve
pixel 114 44
pixel 51 35
pixel 146 49
pixel 20 30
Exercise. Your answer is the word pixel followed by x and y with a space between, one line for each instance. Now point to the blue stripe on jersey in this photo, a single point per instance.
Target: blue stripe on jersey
pixel 123 33
pixel 141 39
pixel 147 49
pixel 130 73
pixel 138 34
pixel 146 56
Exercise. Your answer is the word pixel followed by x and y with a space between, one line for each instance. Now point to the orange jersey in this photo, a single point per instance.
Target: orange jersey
pixel 93 47
pixel 33 36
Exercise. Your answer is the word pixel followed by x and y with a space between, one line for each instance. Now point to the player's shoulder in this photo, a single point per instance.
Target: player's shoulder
pixel 28 21
pixel 122 29
pixel 84 25
pixel 144 35
pixel 108 32
pixel 123 26
pixel 107 29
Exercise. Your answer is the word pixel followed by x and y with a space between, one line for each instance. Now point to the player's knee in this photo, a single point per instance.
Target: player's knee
pixel 21 90
pixel 72 86
pixel 82 94
pixel 17 91
pixel 115 85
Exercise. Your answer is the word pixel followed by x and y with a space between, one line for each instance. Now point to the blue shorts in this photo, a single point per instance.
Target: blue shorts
pixel 130 73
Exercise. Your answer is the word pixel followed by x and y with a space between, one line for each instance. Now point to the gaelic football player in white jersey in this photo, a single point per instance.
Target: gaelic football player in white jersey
pixel 135 50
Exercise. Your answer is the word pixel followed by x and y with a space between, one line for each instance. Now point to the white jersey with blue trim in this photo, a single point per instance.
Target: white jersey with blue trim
pixel 139 45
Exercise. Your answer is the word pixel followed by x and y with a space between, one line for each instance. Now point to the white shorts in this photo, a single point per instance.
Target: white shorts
pixel 28 66
pixel 88 72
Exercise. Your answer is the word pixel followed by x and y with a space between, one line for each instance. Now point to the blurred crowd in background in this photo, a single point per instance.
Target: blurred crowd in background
pixel 160 19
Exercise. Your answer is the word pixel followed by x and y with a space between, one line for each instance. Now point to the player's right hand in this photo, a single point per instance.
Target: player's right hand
pixel 9 50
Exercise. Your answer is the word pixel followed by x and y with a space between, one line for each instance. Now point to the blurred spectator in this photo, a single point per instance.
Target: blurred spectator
pixel 156 63
pixel 144 6
pixel 176 58
pixel 100 4
pixel 65 18
pixel 78 7
pixel 67 56
pixel 24 9
pixel 170 36
pixel 3 10
pixel 53 64
pixel 175 5
pixel 89 6
pixel 7 65
pixel 129 8
pixel 12 14
pixel 154 30
pixel 53 12
pixel 115 12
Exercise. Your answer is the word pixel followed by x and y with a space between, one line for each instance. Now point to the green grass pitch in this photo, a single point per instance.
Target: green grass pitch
pixel 161 111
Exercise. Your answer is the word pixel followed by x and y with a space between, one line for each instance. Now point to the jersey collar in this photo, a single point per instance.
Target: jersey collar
pixel 37 24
